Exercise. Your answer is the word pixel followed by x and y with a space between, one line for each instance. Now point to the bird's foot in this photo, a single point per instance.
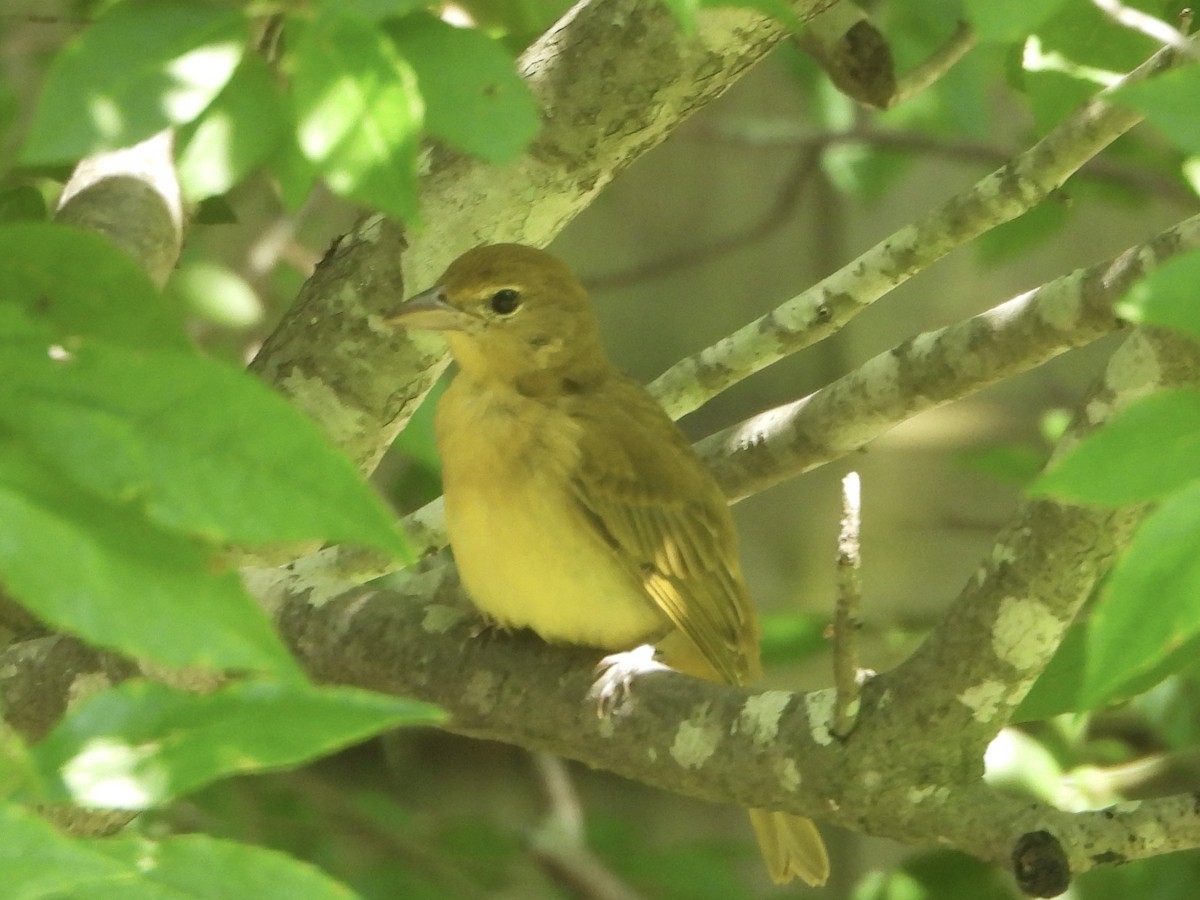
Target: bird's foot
pixel 616 672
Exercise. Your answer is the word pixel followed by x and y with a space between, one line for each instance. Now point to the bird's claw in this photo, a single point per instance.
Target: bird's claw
pixel 487 626
pixel 612 688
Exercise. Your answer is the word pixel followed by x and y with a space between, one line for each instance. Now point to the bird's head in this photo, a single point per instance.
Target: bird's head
pixel 511 314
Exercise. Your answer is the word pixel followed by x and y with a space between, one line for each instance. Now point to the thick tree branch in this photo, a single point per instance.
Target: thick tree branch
pixel 131 196
pixel 714 742
pixel 922 728
pixel 967 677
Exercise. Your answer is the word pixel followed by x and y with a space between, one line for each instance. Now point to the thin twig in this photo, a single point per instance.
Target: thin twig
pixel 787 133
pixel 786 199
pixel 559 844
pixel 848 618
pixel 1154 28
pixel 810 146
pixel 564 810
pixel 936 65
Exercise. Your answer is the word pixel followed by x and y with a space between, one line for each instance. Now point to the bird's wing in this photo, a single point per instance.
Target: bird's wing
pixel 659 508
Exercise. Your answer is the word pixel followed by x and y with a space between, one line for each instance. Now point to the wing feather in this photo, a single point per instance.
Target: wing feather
pixel 663 513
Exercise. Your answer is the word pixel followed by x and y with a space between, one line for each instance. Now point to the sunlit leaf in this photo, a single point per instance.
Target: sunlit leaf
pixel 141 744
pixel 139 69
pixel 1149 449
pixel 1150 606
pixel 1167 296
pixel 474 99
pixel 101 571
pixel 203 447
pixel 358 112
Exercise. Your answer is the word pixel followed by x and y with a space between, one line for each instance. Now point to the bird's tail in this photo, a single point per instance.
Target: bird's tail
pixel 791 846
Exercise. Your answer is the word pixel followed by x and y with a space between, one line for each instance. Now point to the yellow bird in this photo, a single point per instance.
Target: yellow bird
pixel 575 506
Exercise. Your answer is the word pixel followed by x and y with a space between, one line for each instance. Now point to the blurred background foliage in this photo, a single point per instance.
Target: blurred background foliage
pixel 780 182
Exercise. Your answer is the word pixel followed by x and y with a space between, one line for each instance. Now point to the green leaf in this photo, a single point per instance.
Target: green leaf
pixel 205 448
pixel 1167 296
pixel 16 765
pixel 38 861
pixel 102 294
pixel 1170 877
pixel 294 174
pixel 358 112
pixel 793 637
pixel 474 99
pixel 1150 606
pixel 143 743
pixel 1014 463
pixel 1169 102
pixel 1011 240
pixel 197 866
pixel 374 10
pixel 684 12
pixel 1054 95
pixel 935 875
pixel 139 69
pixel 1011 21
pixel 1080 35
pixel 1058 689
pixel 215 293
pixel 240 130
pixel 1148 450
pixel 23 203
pixel 1061 686
pixel 101 571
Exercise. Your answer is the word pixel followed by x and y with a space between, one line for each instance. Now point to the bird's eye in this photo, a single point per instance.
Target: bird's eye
pixel 505 301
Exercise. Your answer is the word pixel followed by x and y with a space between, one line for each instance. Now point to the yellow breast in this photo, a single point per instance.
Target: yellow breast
pixel 527 554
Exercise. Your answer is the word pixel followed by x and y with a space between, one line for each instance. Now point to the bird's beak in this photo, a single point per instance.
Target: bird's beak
pixel 429 311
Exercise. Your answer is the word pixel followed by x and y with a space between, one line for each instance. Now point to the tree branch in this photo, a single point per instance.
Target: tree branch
pixel 828 305
pixel 131 196
pixel 1153 28
pixel 910 770
pixel 934 368
pixel 767 133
